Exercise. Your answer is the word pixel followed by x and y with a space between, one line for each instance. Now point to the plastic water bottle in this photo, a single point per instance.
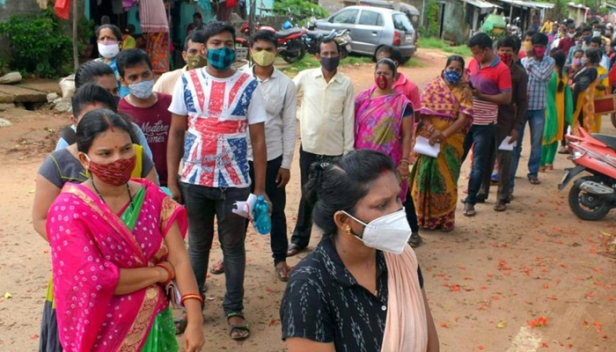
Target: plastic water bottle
pixel 262 221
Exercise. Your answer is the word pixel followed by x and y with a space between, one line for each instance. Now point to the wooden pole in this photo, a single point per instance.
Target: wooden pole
pixel 75 35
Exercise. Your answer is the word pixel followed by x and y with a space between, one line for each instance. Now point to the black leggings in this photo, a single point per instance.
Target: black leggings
pixel 411 216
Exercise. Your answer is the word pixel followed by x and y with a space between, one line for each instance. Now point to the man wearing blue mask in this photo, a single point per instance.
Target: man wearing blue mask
pixel 214 108
pixel 146 108
pixel 327 126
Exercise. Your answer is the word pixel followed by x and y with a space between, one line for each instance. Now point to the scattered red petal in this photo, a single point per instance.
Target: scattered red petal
pixel 610 298
pixel 444 325
pixel 544 345
pixel 546 286
pixel 480 347
pixel 34 337
pixel 588 295
pixel 553 298
pixel 597 270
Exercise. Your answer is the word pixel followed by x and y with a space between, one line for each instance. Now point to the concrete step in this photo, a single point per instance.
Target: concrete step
pixel 19 94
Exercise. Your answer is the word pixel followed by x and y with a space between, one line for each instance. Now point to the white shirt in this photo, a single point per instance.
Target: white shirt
pixel 328 113
pixel 219 111
pixel 281 108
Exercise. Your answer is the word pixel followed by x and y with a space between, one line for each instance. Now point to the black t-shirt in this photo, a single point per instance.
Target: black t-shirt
pixel 323 302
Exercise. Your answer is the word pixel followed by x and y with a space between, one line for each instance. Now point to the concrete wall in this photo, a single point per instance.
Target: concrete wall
pixel 14 7
pixel 455 28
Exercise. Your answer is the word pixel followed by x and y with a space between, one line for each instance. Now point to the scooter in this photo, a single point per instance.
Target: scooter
pixel 591 197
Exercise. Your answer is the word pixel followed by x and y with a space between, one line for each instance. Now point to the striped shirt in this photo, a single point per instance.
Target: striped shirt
pixel 491 79
pixel 219 111
pixel 539 74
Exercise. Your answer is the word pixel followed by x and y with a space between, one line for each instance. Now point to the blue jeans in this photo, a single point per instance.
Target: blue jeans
pixel 203 204
pixel 536 121
pixel 481 138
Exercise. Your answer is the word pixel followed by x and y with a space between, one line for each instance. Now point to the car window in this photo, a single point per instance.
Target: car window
pixel 402 23
pixel 347 17
pixel 371 18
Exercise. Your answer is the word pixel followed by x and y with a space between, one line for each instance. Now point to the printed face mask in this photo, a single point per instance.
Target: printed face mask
pixel 452 76
pixel 116 173
pixel 389 233
pixel 141 90
pixel 506 57
pixel 330 63
pixel 108 50
pixel 382 82
pixel 264 58
pixel 195 61
pixel 221 58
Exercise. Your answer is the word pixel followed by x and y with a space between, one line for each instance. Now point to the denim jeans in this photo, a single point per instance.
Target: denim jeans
pixel 203 204
pixel 481 138
pixel 278 197
pixel 536 121
pixel 504 170
pixel 303 227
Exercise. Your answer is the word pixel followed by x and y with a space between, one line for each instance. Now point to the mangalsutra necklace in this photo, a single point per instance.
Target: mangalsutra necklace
pixel 130 196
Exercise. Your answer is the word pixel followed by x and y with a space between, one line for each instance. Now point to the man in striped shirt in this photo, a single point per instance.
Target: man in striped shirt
pixel 491 87
pixel 539 68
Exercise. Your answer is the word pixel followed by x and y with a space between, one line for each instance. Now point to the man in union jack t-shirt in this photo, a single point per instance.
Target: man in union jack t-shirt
pixel 213 109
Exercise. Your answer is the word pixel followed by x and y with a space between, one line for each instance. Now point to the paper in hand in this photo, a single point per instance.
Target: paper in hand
pixel 505 145
pixel 422 146
pixel 246 208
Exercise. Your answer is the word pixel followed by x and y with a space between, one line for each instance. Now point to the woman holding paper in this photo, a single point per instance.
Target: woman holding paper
pixel 445 119
pixel 384 120
pixel 559 111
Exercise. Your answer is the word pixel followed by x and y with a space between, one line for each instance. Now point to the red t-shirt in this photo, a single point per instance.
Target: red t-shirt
pixel 155 123
pixel 491 79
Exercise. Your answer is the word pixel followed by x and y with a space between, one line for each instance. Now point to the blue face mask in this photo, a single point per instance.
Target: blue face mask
pixel 221 58
pixel 453 76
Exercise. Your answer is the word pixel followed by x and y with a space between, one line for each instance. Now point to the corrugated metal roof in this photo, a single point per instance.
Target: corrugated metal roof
pixel 481 4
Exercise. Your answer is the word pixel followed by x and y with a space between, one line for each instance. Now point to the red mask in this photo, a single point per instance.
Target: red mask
pixel 506 57
pixel 382 82
pixel 116 173
pixel 539 52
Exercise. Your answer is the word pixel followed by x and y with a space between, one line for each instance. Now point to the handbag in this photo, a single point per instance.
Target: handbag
pixel 605 104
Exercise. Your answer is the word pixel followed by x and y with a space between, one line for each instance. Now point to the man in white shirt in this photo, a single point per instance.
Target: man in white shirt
pixel 193 47
pixel 213 109
pixel 327 124
pixel 280 105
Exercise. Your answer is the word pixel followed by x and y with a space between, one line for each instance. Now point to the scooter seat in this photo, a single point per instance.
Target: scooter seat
pixel 288 32
pixel 314 34
pixel 610 141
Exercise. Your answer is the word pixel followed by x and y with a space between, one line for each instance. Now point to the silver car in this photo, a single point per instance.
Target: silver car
pixel 372 27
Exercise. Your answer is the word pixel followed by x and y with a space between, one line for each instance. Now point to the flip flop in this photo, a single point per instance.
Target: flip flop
pixel 500 206
pixel 218 268
pixel 283 273
pixel 534 181
pixel 242 327
pixel 469 210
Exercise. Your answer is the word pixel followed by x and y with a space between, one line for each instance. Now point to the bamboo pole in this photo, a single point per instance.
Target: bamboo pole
pixel 75 35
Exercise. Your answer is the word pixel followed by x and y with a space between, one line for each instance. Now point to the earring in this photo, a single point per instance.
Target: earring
pixel 348 230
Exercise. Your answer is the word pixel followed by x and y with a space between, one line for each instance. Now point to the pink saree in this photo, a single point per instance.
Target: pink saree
pixel 378 125
pixel 89 245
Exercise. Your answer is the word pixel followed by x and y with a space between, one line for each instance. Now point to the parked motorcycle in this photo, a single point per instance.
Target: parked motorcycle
pixel 591 197
pixel 313 38
pixel 289 41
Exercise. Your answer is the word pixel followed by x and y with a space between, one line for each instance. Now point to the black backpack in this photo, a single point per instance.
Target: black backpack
pixel 68 134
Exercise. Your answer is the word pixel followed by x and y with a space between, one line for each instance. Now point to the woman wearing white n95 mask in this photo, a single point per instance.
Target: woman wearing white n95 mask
pixel 361 289
pixel 109 42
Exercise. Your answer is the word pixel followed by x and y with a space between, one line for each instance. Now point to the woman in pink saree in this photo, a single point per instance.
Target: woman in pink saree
pixel 115 244
pixel 384 120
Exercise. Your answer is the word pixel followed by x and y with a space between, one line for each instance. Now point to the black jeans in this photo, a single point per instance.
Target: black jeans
pixel 411 215
pixel 278 197
pixel 303 227
pixel 504 170
pixel 203 204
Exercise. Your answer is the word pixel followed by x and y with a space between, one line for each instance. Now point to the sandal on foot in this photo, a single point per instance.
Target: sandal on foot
pixel 180 325
pixel 542 169
pixel 469 210
pixel 500 206
pixel 245 327
pixel 294 249
pixel 534 180
pixel 218 268
pixel 283 273
pixel 415 240
pixel 549 167
pixel 563 150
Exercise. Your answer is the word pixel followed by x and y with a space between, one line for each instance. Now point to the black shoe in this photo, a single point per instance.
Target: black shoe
pixel 415 240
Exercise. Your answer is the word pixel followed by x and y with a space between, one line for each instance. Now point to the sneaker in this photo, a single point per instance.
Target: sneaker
pixel 494 178
pixel 415 240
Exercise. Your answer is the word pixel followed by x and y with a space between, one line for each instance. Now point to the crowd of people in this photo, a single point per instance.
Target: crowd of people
pixel 208 135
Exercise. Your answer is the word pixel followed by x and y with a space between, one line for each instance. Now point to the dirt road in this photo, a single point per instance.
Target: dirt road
pixel 488 281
